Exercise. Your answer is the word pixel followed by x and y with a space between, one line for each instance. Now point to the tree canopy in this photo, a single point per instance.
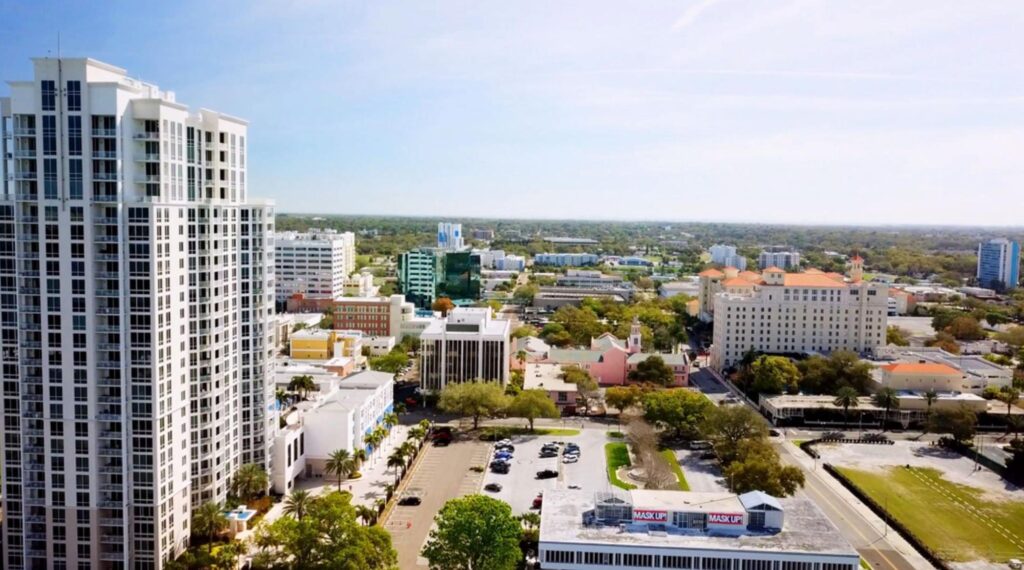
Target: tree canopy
pixel 473 399
pixel 474 533
pixel 679 411
pixel 653 370
pixel 532 404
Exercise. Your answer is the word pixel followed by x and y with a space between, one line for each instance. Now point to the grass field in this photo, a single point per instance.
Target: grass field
pixel 954 520
pixel 670 456
pixel 495 433
pixel 617 456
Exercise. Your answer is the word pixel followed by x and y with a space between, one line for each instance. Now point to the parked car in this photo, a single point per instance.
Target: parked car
pixel 500 468
pixel 774 433
pixel 503 455
pixel 709 454
pixel 570 459
pixel 410 499
pixel 548 453
pixel 547 474
pixel 505 447
pixel 493 487
pixel 699 445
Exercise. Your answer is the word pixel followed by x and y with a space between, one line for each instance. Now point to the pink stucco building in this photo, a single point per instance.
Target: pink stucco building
pixel 609 359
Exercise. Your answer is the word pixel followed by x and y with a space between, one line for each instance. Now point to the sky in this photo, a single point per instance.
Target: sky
pixel 780 111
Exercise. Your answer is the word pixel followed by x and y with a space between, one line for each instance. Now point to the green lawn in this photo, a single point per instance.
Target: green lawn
pixel 670 456
pixel 494 433
pixel 616 435
pixel 954 520
pixel 565 432
pixel 617 456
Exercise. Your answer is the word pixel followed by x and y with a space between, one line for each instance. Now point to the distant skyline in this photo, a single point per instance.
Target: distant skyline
pixel 782 112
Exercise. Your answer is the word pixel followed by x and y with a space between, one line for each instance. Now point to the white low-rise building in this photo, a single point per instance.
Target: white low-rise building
pixel 975 372
pixel 331 420
pixel 314 263
pixel 798 313
pixel 675 529
pixel 467 345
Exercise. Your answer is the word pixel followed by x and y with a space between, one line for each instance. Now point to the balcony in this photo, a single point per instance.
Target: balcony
pixel 104 133
pixel 148 178
pixel 109 176
pixel 26 175
pixel 104 154
pixel 111 469
pixel 108 365
pixel 24 131
pixel 108 310
pixel 106 238
pixel 25 153
pixel 108 417
pixel 105 220
pixel 27 196
pixel 107 293
pixel 147 136
pixel 148 157
pixel 109 451
pixel 105 197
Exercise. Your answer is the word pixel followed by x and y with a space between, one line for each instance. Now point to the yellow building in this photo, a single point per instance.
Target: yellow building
pixel 312 344
pixel 922 376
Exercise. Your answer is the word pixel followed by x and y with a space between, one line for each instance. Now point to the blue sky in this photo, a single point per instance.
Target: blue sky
pixel 714 110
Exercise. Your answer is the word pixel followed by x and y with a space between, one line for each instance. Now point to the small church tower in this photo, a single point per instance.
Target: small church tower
pixel 633 345
pixel 856 268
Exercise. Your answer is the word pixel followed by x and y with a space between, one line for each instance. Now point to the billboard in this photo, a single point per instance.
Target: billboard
pixel 648 515
pixel 731 519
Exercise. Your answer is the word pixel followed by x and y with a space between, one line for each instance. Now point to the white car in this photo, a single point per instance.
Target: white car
pixel 570 459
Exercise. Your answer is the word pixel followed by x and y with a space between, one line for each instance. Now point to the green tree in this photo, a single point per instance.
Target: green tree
pixel 393 362
pixel 887 399
pixel 339 463
pixel 679 411
pixel 896 336
pixel 208 520
pixel 249 482
pixel 532 404
pixel 297 503
pixel 303 385
pixel 773 375
pixel 474 533
pixel 826 375
pixel 653 370
pixel 524 294
pixel 473 399
pixel 728 426
pixel 280 396
pixel 965 328
pixel 586 386
pixel 327 537
pixel 1014 336
pixel 396 461
pixel 959 423
pixel 523 331
pixel 1009 396
pixel 623 397
pixel 521 356
pixel 929 399
pixel 758 469
pixel 582 324
pixel 846 398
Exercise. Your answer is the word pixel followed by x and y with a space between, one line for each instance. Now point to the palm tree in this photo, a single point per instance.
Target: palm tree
pixel 371 441
pixel 530 520
pixel 250 481
pixel 521 357
pixel 380 434
pixel 366 514
pixel 389 490
pixel 208 521
pixel 390 421
pixel 400 408
pixel 303 384
pixel 1009 396
pixel 298 503
pixel 886 398
pixel 339 463
pixel 425 424
pixel 396 461
pixel 417 433
pixel 408 449
pixel 846 398
pixel 280 396
pixel 379 504
pixel 359 457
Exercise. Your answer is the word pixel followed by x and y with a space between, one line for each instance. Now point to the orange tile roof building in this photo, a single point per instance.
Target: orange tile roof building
pixel 805 313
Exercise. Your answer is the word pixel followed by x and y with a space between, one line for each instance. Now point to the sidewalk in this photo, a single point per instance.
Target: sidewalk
pixel 814 469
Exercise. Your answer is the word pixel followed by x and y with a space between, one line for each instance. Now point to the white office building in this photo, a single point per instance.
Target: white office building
pixel 726 255
pixel 779 258
pixel 466 345
pixel 805 313
pixel 676 529
pixel 136 301
pixel 449 237
pixel 316 263
pixel 565 259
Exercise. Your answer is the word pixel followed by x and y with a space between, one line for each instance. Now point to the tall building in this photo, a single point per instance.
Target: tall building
pixel 726 255
pixel 466 345
pixel 999 264
pixel 136 294
pixel 419 272
pixel 783 259
pixel 809 312
pixel 449 237
pixel 315 263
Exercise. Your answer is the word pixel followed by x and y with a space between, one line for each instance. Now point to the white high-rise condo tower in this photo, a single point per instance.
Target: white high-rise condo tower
pixel 136 293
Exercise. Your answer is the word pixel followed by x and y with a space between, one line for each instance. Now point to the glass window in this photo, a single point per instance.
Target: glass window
pixel 75 179
pixel 49 135
pixel 74 95
pixel 49 90
pixel 50 178
pixel 75 135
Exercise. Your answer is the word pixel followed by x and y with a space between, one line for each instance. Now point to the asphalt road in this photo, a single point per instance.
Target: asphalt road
pixel 870 541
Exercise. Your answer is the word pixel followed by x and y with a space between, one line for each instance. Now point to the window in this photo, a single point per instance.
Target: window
pixel 75 135
pixel 75 179
pixel 74 95
pixel 49 91
pixel 49 135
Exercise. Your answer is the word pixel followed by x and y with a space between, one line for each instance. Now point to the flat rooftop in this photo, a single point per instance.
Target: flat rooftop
pixel 806 529
pixel 546 377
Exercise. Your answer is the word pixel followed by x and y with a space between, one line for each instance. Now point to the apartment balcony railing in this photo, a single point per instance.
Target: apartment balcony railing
pixel 148 157
pixel 24 131
pixel 104 154
pixel 147 136
pixel 111 176
pixel 104 133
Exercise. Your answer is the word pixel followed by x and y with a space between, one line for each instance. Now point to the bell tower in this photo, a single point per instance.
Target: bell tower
pixel 633 344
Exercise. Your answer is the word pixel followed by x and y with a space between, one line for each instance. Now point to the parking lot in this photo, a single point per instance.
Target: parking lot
pixel 520 485
pixel 703 475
